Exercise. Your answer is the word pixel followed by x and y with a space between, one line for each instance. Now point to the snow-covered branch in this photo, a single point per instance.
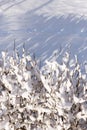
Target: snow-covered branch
pixel 33 99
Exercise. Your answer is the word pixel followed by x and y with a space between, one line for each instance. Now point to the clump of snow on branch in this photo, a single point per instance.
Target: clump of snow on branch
pixel 50 98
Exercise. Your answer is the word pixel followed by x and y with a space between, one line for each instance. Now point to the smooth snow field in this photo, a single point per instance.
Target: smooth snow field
pixel 47 27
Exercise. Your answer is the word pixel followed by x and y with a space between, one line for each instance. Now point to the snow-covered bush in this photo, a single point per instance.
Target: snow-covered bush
pixel 52 98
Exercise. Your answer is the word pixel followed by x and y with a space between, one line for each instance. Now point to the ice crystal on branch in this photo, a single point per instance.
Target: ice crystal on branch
pixel 53 97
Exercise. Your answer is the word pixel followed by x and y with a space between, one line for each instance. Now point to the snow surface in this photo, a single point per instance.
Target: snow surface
pixel 47 27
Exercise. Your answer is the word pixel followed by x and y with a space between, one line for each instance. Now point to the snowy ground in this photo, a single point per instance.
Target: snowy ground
pixel 46 27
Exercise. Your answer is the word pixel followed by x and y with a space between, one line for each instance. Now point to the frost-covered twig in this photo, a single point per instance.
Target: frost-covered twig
pixel 33 99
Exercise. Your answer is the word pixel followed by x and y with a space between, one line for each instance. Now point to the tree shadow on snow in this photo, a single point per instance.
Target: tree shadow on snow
pixel 45 36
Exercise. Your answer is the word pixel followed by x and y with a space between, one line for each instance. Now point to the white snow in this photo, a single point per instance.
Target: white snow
pixel 58 24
